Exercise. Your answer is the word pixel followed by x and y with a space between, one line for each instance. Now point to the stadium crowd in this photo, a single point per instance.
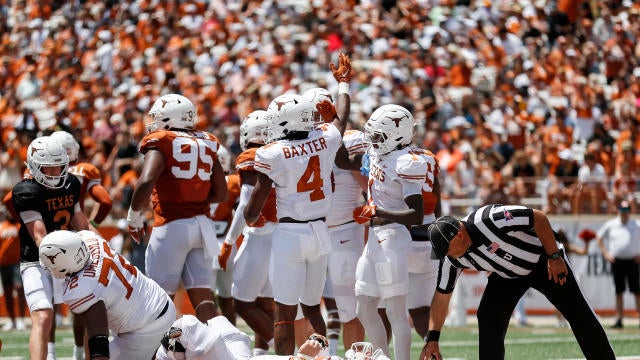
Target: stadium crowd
pixel 510 95
pixel 522 101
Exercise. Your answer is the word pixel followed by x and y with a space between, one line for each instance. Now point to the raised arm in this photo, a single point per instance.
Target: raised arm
pixel 342 74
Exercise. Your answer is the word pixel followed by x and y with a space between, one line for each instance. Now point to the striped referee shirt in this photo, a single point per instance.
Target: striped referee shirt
pixel 503 241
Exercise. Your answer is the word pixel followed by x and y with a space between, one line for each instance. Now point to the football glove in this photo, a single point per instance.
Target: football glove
pixel 225 252
pixel 327 111
pixel 364 213
pixel 343 72
pixel 135 221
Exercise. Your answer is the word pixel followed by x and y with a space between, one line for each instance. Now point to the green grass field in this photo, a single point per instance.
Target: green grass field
pixel 530 343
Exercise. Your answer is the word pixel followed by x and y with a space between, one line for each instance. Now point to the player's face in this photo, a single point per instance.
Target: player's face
pixel 376 139
pixel 52 170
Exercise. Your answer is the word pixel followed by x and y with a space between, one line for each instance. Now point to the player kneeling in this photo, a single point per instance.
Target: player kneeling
pixel 109 294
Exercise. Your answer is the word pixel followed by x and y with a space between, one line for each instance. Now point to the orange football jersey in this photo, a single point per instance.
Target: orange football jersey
pixel 245 163
pixel 9 243
pixel 429 198
pixel 224 211
pixel 88 175
pixel 183 187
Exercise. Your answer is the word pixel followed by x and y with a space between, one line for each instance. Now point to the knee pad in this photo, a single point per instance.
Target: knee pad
pixel 346 308
pixel 41 304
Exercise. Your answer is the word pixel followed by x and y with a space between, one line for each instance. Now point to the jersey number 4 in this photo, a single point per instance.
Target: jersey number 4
pixel 197 154
pixel 311 180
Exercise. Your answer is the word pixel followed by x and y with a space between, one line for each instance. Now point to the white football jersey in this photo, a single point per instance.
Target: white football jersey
pixel 217 339
pixel 301 171
pixel 132 299
pixel 389 172
pixel 347 194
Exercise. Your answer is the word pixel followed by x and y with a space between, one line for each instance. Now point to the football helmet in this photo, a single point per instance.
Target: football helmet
pixel 172 111
pixel 253 129
pixel 63 253
pixel 69 143
pixel 388 128
pixel 364 351
pixel 316 95
pixel 224 158
pixel 45 152
pixel 286 114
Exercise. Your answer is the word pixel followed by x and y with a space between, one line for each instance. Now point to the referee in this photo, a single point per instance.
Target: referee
pixel 517 245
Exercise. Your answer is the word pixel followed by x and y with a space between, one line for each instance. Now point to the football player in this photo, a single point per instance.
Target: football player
pixel 298 160
pixel 90 180
pixel 109 294
pixel 89 176
pixel 220 340
pixel 251 290
pixel 222 214
pixel 423 270
pixel 217 339
pixel 347 236
pixel 183 176
pixel 397 172
pixel 45 202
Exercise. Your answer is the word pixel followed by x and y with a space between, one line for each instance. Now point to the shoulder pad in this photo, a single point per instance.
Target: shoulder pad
pixel 153 140
pixel 411 167
pixel 246 159
pixel 26 189
pixel 354 142
pixel 88 171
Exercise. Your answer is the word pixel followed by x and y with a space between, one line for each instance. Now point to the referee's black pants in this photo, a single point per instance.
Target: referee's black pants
pixel 501 296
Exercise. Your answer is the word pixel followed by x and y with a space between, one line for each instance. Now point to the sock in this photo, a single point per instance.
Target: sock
pixel 333 346
pixel 58 320
pixel 78 352
pixel 258 352
pixel 51 351
pixel 271 342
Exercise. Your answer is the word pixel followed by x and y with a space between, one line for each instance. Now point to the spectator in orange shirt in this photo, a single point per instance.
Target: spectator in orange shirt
pixel 559 133
pixel 10 272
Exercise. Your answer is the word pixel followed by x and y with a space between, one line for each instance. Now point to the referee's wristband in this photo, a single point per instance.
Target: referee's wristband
pixel 432 335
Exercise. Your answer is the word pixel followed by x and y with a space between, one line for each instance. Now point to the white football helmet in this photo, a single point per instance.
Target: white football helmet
pixel 69 143
pixel 364 351
pixel 316 95
pixel 389 127
pixel 286 114
pixel 172 111
pixel 225 159
pixel 63 253
pixel 253 129
pixel 45 152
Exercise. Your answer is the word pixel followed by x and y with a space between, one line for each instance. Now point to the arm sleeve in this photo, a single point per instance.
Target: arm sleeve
pixel 238 223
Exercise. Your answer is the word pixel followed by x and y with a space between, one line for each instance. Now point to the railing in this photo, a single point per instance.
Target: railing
pixel 539 198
